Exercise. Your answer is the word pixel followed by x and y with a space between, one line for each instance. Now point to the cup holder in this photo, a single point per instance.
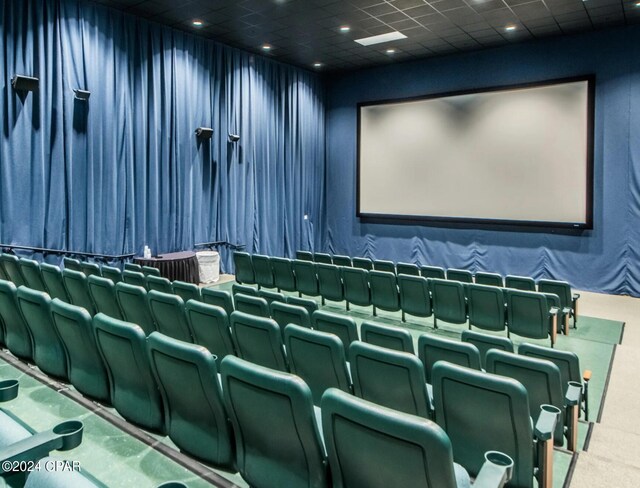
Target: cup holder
pixel 500 459
pixel 70 433
pixel 8 390
pixel 550 409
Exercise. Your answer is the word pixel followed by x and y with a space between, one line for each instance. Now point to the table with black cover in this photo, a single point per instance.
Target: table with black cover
pixel 181 266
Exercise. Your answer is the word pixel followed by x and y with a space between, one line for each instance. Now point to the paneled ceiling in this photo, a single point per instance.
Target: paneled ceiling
pixel 308 32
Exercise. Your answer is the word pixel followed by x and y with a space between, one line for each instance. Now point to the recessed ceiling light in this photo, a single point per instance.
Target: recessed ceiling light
pixel 345 28
pixel 317 65
pixel 510 28
pixel 390 51
pixel 389 36
pixel 266 47
pixel 637 4
pixel 197 23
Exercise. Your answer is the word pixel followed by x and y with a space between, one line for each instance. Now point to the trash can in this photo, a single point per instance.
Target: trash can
pixel 209 266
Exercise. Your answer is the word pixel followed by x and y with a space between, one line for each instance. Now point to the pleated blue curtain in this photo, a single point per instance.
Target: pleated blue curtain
pixel 125 168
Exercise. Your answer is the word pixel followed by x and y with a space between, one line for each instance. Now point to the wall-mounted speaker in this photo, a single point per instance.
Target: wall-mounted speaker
pixel 25 83
pixel 234 137
pixel 82 94
pixel 204 132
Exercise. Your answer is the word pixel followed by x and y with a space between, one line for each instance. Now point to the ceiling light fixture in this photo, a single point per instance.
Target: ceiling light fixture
pixel 510 28
pixel 317 65
pixel 197 23
pixel 389 36
pixel 266 47
pixel 345 28
pixel 391 51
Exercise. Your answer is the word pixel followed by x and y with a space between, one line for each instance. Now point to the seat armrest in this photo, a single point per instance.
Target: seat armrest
pixel 573 394
pixel 63 437
pixel 546 424
pixel 8 390
pixel 496 471
pixel 566 311
pixel 575 296
pixel 586 375
pixel 554 311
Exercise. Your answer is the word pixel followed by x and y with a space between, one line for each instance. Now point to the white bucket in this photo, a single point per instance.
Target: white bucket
pixel 208 266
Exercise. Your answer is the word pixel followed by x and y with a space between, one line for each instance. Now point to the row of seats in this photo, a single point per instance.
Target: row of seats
pixel 529 314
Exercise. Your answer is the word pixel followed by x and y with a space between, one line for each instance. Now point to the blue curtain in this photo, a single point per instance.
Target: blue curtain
pixel 125 168
pixel 605 259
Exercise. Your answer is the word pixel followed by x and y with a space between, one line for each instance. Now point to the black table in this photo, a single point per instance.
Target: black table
pixel 181 266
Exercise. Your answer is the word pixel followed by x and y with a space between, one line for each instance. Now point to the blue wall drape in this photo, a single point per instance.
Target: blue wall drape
pixel 605 259
pixel 125 168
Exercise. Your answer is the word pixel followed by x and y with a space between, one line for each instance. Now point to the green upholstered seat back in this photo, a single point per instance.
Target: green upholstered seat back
pixel 341 260
pixel 432 272
pixel 487 309
pixel 272 296
pixel 482 412
pixel 196 422
pixel 251 305
pixel 407 269
pixel 52 277
pixel 415 298
pixel 210 327
pixel 133 267
pixel 322 257
pixel 219 298
pixel 259 340
pixel 385 266
pixel 306 277
pixel 32 275
pixel 485 342
pixel 72 264
pixel 318 358
pixel 133 304
pixel 86 368
pixel 277 441
pixel 244 267
pixel 528 313
pixel 186 291
pixel 158 283
pixel 448 300
pixel 489 279
pixel 307 303
pixel 283 276
pixel 362 263
pixel 461 275
pixel 356 286
pixel 48 350
pixel 150 271
pixel 541 379
pixel 340 325
pixel 114 274
pixel 285 314
pixel 304 255
pixel 370 446
pixel 390 378
pixel 11 266
pixel 17 335
pixel 386 336
pixel 560 288
pixel 567 362
pixel 134 392
pixel 520 283
pixel 78 289
pixel 244 289
pixel 384 290
pixel 90 269
pixel 432 349
pixel 330 282
pixel 169 315
pixel 134 278
pixel 262 270
pixel 103 293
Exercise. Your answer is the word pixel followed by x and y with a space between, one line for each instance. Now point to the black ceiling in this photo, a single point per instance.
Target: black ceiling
pixel 305 32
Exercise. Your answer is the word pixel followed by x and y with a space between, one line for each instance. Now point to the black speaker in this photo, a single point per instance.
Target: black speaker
pixel 82 94
pixel 204 132
pixel 234 137
pixel 25 83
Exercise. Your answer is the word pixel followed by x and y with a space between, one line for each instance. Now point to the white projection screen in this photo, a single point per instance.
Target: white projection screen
pixel 518 155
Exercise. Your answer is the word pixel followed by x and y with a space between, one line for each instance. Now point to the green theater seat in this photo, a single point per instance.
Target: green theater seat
pixel 133 304
pixel 529 314
pixel 114 274
pixel 90 269
pixel 461 275
pixel 362 263
pixel 487 307
pixel 432 349
pixel 285 314
pixel 77 288
pixel 259 340
pixel 449 302
pixel 11 266
pixel 341 260
pixel 356 286
pixel 72 264
pixel 219 298
pixel 329 282
pixel 568 299
pixel 17 336
pixel 32 275
pixel 103 294
pixel 244 289
pixel 384 266
pixel 375 447
pixel 134 392
pixel 252 305
pixel 197 422
pixel 87 371
pixel 415 297
pixel 569 365
pixel 322 258
pixel 489 279
pixel 294 457
pixel 186 291
pixel 306 278
pixel 485 343
pixel 3 275
pixel 407 269
pixel 387 336
pixel 340 325
pixel 134 278
pixel 210 327
pixel 283 275
pixel 158 283
pixel 318 358
pixel 52 277
pixel 272 296
pixel 520 283
pixel 48 350
pixel 432 272
pixel 262 271
pixel 169 315
pixel 136 268
pixel 389 378
pixel 384 291
pixel 150 271
pixel 542 380
pixel 244 267
pixel 481 412
pixel 304 255
pixel 306 303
